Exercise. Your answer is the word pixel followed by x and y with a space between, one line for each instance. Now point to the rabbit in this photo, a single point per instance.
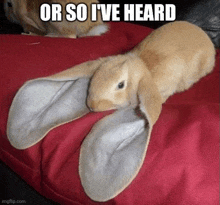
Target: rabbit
pixel 26 13
pixel 136 84
pixel 172 58
pixel 177 55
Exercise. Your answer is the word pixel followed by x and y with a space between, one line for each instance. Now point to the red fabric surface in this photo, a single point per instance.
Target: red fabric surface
pixel 182 162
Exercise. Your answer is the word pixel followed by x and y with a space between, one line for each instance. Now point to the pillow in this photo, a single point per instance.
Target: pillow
pixel 181 165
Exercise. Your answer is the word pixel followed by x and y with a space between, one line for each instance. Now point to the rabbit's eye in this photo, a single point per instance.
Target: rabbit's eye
pixel 121 85
pixel 9 4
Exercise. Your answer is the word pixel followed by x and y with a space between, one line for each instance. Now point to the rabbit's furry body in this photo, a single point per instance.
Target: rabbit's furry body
pixel 177 55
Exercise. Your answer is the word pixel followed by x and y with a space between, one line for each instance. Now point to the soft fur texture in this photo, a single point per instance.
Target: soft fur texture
pixel 26 13
pixel 177 55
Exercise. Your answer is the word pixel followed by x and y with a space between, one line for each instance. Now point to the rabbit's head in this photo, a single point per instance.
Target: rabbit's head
pixel 116 84
pixel 109 86
pixel 10 8
pixel 26 14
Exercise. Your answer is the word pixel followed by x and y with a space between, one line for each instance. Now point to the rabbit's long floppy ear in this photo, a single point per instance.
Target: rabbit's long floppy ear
pixel 113 152
pixel 33 20
pixel 45 103
pixel 83 70
pixel 150 100
pixel 27 12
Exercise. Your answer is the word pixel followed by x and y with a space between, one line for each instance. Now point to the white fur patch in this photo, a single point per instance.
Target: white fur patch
pixel 98 30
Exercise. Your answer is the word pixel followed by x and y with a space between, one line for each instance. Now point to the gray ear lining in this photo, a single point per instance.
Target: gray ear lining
pixel 42 104
pixel 112 154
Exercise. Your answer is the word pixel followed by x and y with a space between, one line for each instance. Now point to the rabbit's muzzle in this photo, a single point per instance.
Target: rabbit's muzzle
pixel 100 105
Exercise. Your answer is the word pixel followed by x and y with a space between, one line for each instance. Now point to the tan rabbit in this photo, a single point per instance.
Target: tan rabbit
pixel 177 55
pixel 169 60
pixel 26 13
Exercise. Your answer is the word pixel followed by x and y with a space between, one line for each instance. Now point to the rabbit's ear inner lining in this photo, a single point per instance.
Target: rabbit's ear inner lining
pixel 113 153
pixel 43 104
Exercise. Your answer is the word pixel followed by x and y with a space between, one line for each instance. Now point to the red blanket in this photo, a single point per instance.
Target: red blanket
pixel 182 161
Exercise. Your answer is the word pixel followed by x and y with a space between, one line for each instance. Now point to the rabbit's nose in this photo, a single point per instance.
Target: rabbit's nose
pixel 91 105
pixel 100 105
